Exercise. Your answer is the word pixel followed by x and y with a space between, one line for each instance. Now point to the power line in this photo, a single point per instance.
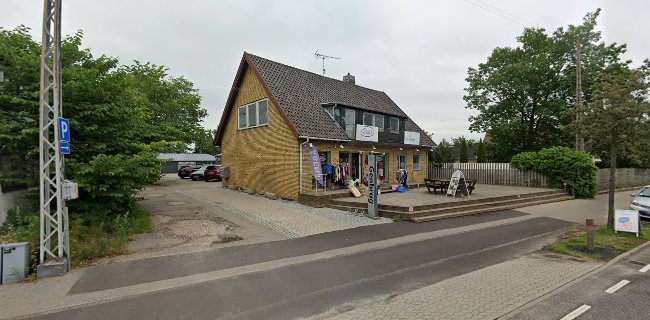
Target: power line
pixel 499 12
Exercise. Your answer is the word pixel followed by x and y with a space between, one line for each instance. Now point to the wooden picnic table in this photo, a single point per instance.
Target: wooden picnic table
pixel 436 184
pixel 443 184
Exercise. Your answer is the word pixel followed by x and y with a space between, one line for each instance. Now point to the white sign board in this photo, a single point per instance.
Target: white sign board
pixel 367 133
pixel 626 221
pixel 411 137
pixel 457 183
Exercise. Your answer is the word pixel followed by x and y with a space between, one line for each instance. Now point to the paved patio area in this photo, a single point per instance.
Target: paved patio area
pixel 420 196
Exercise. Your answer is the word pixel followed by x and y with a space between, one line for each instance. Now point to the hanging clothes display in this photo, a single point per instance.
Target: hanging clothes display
pixel 402 177
pixel 338 173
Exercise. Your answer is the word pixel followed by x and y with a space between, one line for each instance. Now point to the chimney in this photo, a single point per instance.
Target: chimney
pixel 349 78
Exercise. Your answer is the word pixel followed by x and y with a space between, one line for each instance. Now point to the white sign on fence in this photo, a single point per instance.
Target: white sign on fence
pixel 626 221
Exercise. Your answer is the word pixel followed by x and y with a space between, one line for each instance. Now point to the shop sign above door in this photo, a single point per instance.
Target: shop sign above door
pixel 411 137
pixel 367 133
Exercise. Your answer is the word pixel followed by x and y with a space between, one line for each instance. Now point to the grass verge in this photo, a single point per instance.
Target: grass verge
pixel 607 244
pixel 91 236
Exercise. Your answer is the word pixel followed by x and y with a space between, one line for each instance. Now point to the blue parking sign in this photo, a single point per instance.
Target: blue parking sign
pixel 64 130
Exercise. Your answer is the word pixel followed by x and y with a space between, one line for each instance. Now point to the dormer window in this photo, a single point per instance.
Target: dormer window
pixel 377 120
pixel 394 125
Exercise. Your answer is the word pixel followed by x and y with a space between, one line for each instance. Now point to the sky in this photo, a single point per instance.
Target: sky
pixel 417 52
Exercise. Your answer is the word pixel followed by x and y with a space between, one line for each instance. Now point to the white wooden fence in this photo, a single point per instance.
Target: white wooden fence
pixel 489 173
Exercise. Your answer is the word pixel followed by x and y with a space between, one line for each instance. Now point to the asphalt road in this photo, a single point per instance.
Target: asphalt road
pixel 590 295
pixel 274 280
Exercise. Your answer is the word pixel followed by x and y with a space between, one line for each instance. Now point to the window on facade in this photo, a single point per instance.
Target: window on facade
pixel 394 125
pixel 401 161
pixel 416 162
pixel 379 122
pixel 254 114
pixel 263 111
pixel 350 125
pixel 243 121
pixel 368 119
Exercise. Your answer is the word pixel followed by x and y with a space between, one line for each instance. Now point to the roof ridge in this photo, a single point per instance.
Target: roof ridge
pixel 314 73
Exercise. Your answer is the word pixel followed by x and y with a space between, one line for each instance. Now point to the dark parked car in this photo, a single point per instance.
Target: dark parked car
pixel 186 171
pixel 212 173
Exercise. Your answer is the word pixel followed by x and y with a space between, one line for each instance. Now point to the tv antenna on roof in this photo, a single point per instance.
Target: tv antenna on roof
pixel 323 57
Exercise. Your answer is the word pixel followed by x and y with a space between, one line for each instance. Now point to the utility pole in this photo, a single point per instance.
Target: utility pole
pixel 580 141
pixel 323 57
pixel 54 236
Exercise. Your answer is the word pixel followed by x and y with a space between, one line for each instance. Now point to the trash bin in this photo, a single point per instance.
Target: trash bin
pixel 14 262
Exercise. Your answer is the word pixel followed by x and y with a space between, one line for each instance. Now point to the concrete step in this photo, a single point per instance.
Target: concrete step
pixel 476 205
pixel 486 210
pixel 470 201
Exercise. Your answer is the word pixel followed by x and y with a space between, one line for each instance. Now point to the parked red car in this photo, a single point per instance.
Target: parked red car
pixel 212 172
pixel 186 171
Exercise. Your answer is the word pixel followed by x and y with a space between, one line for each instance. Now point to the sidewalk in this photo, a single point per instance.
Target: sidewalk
pixel 487 293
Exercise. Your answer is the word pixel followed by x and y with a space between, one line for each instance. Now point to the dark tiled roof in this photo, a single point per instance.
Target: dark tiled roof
pixel 302 93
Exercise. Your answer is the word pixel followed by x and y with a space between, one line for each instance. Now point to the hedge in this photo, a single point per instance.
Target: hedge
pixel 560 165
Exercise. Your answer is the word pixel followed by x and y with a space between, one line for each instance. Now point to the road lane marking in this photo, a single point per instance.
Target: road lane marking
pixel 617 286
pixel 644 269
pixel 575 313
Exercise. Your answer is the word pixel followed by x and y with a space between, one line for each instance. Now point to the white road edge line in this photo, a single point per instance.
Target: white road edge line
pixel 575 313
pixel 617 286
pixel 644 269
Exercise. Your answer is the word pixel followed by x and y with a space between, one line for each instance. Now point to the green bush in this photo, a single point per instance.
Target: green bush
pixel 108 184
pixel 560 165
pixel 91 235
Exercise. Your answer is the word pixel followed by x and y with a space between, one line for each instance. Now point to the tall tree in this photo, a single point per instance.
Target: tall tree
pixel 617 118
pixel 121 116
pixel 205 143
pixel 525 95
pixel 442 153
pixel 481 153
pixel 463 154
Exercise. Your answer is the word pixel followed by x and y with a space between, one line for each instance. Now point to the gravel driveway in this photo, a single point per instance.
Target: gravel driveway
pixel 195 215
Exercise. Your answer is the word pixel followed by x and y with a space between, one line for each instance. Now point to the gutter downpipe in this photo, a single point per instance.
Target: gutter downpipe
pixel 301 171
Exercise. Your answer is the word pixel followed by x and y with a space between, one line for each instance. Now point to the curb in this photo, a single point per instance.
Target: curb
pixel 621 189
pixel 574 281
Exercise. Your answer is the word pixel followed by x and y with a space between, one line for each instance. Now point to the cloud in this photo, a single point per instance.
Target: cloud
pixel 417 52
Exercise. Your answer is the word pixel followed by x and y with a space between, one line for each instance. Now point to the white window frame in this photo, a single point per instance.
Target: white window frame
pixel 400 162
pixel 419 167
pixel 390 124
pixel 257 115
pixel 373 120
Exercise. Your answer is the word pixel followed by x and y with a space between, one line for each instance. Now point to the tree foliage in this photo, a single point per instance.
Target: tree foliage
pixel 524 94
pixel 617 120
pixel 442 153
pixel 204 143
pixel 562 165
pixel 121 116
pixel 481 152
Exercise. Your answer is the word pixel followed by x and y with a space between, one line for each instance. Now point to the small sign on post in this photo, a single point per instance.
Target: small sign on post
pixel 64 147
pixel 64 130
pixel 626 221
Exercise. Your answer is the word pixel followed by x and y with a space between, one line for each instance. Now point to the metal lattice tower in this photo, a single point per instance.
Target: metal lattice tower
pixel 54 236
